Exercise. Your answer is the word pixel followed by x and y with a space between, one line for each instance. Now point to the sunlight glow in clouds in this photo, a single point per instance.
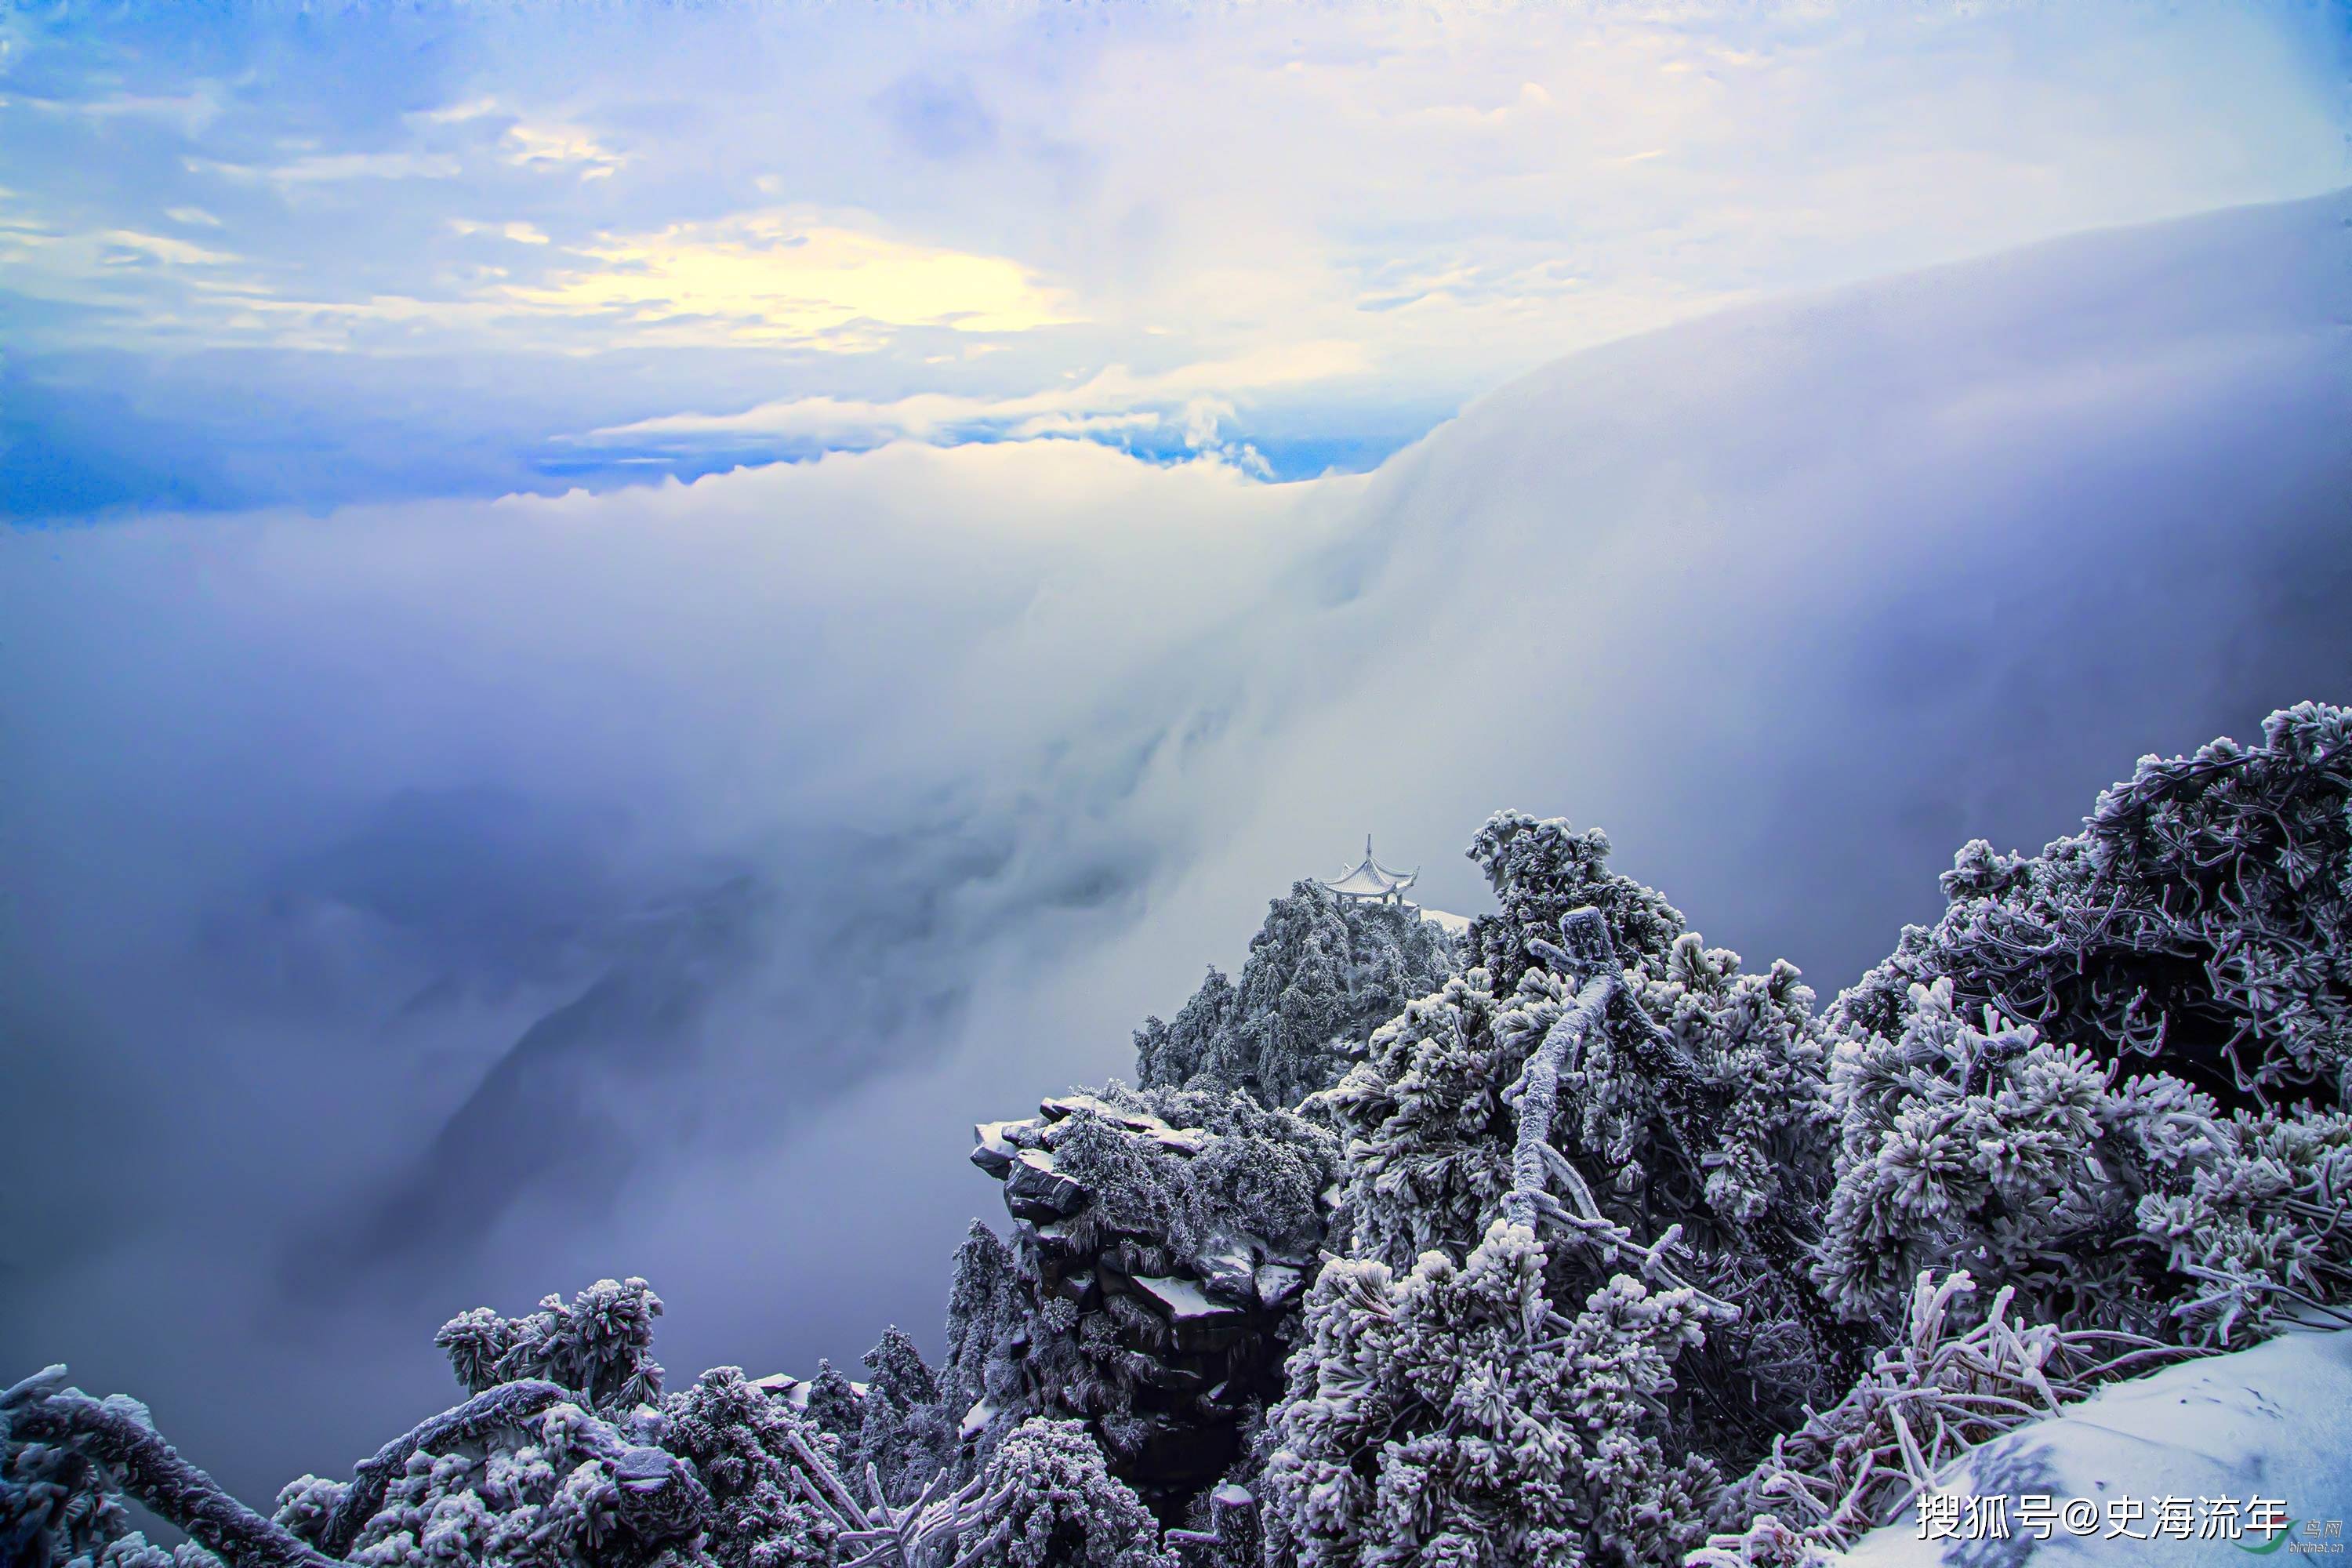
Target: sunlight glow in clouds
pixel 777 277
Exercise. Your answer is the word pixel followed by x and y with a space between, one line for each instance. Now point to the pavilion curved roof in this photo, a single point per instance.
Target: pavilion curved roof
pixel 1370 879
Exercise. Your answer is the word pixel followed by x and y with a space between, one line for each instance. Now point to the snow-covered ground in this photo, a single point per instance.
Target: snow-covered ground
pixel 1452 924
pixel 2272 1423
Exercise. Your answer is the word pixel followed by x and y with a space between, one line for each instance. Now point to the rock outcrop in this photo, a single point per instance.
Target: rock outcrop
pixel 1163 1265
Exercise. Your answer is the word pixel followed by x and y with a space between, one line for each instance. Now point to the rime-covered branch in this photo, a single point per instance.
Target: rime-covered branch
pixel 1534 1161
pixel 1589 954
pixel 1936 1393
pixel 895 1537
pixel 1539 1098
pixel 883 1536
pixel 507 1404
pixel 152 1471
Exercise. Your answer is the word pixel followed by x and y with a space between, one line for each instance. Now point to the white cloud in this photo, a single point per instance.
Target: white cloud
pixel 561 145
pixel 517 230
pixel 164 247
pixel 458 113
pixel 527 140
pixel 326 168
pixel 189 113
pixel 1114 399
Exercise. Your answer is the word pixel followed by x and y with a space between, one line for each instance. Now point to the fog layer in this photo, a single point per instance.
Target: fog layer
pixel 441 904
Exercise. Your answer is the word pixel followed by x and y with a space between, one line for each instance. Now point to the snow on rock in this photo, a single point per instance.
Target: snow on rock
pixel 1198 1323
pixel 998 1143
pixel 1276 1283
pixel 1183 1301
pixel 1228 1269
pixel 1034 1189
pixel 1451 924
pixel 1057 1240
pixel 2270 1423
pixel 1181 1139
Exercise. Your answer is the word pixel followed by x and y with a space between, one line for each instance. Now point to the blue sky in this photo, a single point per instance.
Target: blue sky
pixel 336 253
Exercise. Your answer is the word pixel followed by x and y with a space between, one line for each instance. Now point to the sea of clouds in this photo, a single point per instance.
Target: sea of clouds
pixel 437 904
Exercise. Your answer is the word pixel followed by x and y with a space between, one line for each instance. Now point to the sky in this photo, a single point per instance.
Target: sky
pixel 615 621
pixel 331 252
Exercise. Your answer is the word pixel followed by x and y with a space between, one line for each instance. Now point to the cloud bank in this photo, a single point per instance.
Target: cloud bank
pixel 447 901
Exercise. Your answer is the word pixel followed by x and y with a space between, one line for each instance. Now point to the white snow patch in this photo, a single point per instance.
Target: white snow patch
pixel 795 1391
pixel 1450 923
pixel 1184 1301
pixel 2272 1422
pixel 998 1136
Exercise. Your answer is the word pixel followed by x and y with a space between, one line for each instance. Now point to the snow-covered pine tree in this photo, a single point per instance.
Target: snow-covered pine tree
pixel 904 1430
pixel 834 1405
pixel 552 1491
pixel 1702 1104
pixel 2201 924
pixel 2034 1088
pixel 1051 1503
pixel 987 1336
pixel 599 1346
pixel 60 1505
pixel 1977 1145
pixel 1169 1055
pixel 725 1474
pixel 2099 1200
pixel 1321 974
pixel 1539 870
pixel 2263 1230
pixel 1455 1416
pixel 742 1441
pixel 518 1476
pixel 1479 1393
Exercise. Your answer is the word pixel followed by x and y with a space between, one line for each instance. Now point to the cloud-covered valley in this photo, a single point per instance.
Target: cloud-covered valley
pixel 447 901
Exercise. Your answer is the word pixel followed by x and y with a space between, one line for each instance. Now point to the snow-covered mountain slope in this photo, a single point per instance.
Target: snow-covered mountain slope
pixel 2270 1423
